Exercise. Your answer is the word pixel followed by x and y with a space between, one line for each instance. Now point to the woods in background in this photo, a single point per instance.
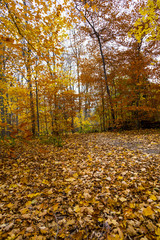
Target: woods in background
pixel 81 66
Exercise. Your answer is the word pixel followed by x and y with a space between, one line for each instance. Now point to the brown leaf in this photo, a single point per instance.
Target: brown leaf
pixel 131 231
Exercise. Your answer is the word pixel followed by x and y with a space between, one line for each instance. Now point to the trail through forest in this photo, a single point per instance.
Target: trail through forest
pixel 96 186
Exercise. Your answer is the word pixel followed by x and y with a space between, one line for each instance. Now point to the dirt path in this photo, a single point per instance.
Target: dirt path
pixel 142 142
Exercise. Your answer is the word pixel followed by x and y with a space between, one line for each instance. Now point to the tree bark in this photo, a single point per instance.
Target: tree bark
pixel 105 77
pixel 37 108
pixel 91 24
pixel 28 66
pixel 2 110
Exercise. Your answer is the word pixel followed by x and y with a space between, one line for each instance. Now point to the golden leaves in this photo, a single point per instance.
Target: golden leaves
pixel 43 230
pixel 120 177
pixel 100 219
pixel 23 211
pixel 50 191
pixel 68 193
pixel 70 222
pixel 147 24
pixel 147 211
pixel 10 205
pixel 32 195
pixel 77 209
pixel 70 179
pixel 45 182
pixel 153 197
pixel 55 207
pixel 157 232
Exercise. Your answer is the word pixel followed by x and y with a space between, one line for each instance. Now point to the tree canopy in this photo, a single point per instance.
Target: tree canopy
pixel 71 66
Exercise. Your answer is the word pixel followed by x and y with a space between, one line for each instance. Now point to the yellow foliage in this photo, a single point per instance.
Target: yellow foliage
pixel 148 23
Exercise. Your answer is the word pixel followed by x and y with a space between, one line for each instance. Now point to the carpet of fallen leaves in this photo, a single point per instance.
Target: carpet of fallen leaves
pixel 96 186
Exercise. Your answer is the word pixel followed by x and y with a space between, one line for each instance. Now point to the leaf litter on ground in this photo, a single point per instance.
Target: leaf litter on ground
pixel 96 186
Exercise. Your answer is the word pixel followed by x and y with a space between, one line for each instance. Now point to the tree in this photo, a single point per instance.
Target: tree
pixel 38 33
pixel 96 30
pixel 128 71
pixel 104 77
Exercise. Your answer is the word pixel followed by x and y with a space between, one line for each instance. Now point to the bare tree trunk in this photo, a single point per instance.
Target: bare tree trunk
pixel 1 96
pixel 103 108
pixel 28 66
pixel 45 116
pixel 105 77
pixel 37 108
pixel 79 93
pixel 2 115
pixel 86 103
pixel 95 33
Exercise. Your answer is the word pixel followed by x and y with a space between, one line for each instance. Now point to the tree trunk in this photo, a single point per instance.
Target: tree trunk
pixel 105 77
pixel 2 110
pixel 2 115
pixel 45 116
pixel 37 108
pixel 103 108
pixel 30 92
pixel 79 92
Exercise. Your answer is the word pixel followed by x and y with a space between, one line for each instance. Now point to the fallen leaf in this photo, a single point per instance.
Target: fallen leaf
pixel 45 182
pixel 77 208
pixel 100 219
pixel 8 227
pixel 55 207
pixel 43 230
pixel 50 191
pixel 26 216
pixel 131 231
pixel 70 222
pixel 108 179
pixel 90 210
pixel 122 199
pixel 153 197
pixel 151 226
pixel 157 232
pixel 147 211
pixel 70 179
pixel 120 177
pixel 28 203
pixel 32 195
pixel 30 229
pixel 10 205
pixel 144 238
pixel 24 210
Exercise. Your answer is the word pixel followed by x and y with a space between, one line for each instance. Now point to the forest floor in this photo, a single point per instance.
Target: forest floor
pixel 96 186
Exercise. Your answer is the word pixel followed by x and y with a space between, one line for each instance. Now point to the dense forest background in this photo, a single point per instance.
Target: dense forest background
pixel 85 66
pixel 79 66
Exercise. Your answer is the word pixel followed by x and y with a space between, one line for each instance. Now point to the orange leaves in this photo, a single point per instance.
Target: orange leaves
pixel 80 186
